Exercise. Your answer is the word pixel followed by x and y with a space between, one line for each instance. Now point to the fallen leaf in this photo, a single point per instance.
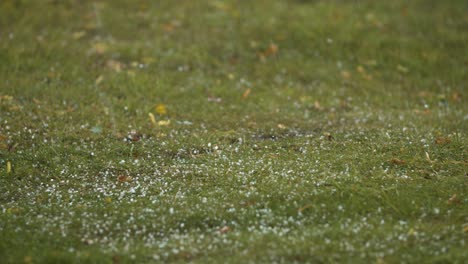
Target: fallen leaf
pixel 152 118
pixel 8 167
pixel 100 48
pixel 115 65
pixel 345 74
pixel 171 26
pixel 133 136
pixel 272 50
pixel 396 161
pixel 108 200
pixel 124 178
pixel 246 93
pixel 300 210
pixel 317 106
pixel 328 136
pixel 224 229
pixel 456 97
pixel 27 260
pixel 442 141
pixel 164 122
pixel 429 158
pixel 281 126
pixel 453 200
pixel 360 69
pixel 465 229
pixel 99 79
pixel 6 97
pixel 160 109
pixel 78 34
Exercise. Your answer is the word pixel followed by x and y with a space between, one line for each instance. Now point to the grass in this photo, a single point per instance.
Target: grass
pixel 282 131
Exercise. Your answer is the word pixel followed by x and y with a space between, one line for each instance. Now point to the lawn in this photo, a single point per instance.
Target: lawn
pixel 233 131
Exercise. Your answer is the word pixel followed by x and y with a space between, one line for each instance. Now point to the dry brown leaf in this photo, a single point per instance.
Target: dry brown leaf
pixel 396 161
pixel 27 260
pixel 453 200
pixel 345 75
pixel 442 140
pixel 328 136
pixel 246 93
pixel 6 97
pixel 124 178
pixel 317 106
pixel 360 69
pixel 225 229
pixel 303 208
pixel 272 50
pixel 456 97
pixel 100 48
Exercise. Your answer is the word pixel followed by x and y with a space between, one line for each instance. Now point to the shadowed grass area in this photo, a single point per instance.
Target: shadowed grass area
pixel 233 131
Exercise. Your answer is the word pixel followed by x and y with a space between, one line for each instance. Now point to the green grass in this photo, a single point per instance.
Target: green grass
pixel 300 131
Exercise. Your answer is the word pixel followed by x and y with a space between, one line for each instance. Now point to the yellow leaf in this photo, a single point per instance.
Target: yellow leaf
pixel 78 34
pixel 8 166
pixel 164 122
pixel 6 97
pixel 152 118
pixel 360 69
pixel 99 80
pixel 161 109
pixel 100 47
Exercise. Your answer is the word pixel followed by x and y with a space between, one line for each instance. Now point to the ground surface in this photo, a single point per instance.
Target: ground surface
pixel 213 131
